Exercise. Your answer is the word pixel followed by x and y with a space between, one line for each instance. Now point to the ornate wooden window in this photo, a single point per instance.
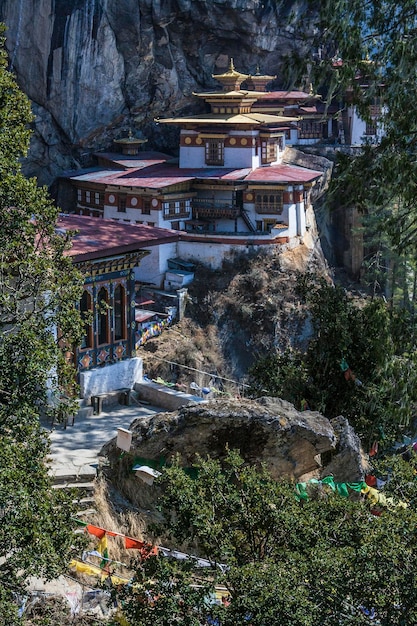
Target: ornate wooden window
pixel 85 310
pixel 103 327
pixel 309 129
pixel 121 206
pixel 177 207
pixel 119 311
pixel 214 152
pixel 146 207
pixel 269 202
pixel 269 151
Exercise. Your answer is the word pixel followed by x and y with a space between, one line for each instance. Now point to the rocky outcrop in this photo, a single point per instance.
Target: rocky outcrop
pixel 268 430
pixel 94 68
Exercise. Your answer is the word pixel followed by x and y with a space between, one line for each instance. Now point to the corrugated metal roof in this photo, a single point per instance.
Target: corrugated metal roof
pixel 160 176
pixel 100 238
pixel 97 175
pixel 282 174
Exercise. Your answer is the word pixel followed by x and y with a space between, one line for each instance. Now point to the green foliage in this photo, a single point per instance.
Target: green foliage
pixel 164 594
pixel 282 375
pixel 376 342
pixel 38 289
pixel 319 562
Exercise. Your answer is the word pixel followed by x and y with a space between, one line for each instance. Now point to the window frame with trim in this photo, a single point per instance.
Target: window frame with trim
pixel 214 151
pixel 269 202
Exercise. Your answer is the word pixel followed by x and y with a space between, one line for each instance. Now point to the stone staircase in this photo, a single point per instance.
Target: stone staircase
pixel 82 486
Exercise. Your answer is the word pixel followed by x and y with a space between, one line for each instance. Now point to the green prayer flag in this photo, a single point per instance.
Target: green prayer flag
pixel 329 480
pixel 342 490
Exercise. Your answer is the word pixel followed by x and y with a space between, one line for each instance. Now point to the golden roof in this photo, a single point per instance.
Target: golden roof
pixel 247 119
pixel 129 139
pixel 231 73
pixel 238 95
pixel 262 76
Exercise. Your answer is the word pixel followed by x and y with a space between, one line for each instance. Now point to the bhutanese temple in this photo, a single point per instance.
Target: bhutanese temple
pixel 229 186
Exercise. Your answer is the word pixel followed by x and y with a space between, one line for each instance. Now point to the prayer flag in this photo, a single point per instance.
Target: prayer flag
pixel 96 531
pixel 103 549
pixel 133 543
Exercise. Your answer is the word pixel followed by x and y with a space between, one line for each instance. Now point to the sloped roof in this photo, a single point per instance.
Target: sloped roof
pixel 163 175
pixel 246 119
pixel 100 238
pixel 282 174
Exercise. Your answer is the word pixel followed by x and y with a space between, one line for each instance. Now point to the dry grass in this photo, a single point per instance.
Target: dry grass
pixel 128 522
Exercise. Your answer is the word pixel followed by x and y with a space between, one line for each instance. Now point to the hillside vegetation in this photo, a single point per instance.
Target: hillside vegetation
pixel 235 316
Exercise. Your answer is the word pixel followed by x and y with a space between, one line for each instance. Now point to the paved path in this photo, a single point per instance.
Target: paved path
pixel 75 450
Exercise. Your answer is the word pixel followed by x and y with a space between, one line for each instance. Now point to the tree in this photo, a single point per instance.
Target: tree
pixel 323 561
pixel 368 51
pixel 360 362
pixel 38 289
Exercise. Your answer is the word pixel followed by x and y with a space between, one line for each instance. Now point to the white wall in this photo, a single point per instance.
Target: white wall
pixel 213 254
pixel 358 129
pixel 152 268
pixel 241 157
pixel 123 374
pixel 301 219
pixel 292 220
pixel 133 216
pixel 193 156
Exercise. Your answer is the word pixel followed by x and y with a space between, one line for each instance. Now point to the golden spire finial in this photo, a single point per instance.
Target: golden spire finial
pixel 232 65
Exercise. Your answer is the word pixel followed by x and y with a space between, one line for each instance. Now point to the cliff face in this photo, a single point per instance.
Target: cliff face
pixel 94 68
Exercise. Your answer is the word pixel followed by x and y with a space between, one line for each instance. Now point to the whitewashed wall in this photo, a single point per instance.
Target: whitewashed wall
pixel 152 268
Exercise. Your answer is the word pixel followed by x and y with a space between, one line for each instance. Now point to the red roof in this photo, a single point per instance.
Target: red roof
pixel 100 238
pixel 164 175
pixel 282 174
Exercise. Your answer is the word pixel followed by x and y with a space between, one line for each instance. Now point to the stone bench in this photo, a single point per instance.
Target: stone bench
pixel 118 396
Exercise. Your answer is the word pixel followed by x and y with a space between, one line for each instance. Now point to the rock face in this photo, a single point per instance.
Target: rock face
pixel 94 68
pixel 268 430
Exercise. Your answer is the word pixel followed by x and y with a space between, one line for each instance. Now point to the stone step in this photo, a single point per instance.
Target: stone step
pixel 84 501
pixel 84 412
pixel 86 486
pixel 85 512
pixel 86 473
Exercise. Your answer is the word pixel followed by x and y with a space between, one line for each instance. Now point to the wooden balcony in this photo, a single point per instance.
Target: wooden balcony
pixel 208 208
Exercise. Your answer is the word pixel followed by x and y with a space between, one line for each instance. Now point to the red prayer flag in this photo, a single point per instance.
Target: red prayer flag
pixel 370 480
pixel 96 531
pixel 374 450
pixel 133 543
